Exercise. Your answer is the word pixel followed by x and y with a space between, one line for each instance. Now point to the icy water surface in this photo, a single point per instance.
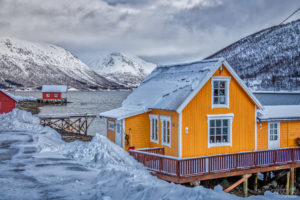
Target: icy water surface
pixel 85 102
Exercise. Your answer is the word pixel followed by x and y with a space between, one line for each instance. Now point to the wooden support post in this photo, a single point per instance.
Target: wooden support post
pixel 287 186
pixel 292 185
pixel 245 185
pixel 245 177
pixel 255 181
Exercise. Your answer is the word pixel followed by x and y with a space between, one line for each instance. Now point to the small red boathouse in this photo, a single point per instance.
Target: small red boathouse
pixel 7 102
pixel 53 92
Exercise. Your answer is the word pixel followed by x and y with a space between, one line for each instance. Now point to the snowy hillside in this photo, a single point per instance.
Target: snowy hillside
pixel 122 68
pixel 269 59
pixel 26 64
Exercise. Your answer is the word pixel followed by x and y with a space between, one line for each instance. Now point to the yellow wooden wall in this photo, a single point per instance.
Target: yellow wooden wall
pixel 194 116
pixel 138 129
pixel 289 132
pixel 110 133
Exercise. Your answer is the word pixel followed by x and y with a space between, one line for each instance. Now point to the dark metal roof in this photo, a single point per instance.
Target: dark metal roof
pixel 278 98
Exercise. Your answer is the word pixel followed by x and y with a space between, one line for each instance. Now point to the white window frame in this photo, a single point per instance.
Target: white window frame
pixel 47 95
pixel 154 117
pixel 278 132
pixel 167 119
pixel 110 123
pixel 55 95
pixel 220 117
pixel 227 84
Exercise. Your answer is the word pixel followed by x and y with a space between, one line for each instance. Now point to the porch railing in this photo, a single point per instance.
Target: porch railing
pixel 155 161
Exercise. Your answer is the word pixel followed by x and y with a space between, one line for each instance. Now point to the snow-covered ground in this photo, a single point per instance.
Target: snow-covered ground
pixel 36 164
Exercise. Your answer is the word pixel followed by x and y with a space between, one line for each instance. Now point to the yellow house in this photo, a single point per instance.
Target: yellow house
pixel 199 109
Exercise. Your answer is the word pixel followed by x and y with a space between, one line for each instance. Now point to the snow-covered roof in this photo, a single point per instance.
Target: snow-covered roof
pixel 54 88
pixel 122 113
pixel 280 113
pixel 172 87
pixel 9 95
pixel 278 98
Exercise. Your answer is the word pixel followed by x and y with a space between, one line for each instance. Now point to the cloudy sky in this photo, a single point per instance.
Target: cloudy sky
pixel 161 31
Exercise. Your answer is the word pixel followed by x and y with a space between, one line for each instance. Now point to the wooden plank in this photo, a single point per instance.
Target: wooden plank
pixel 237 183
pixel 292 185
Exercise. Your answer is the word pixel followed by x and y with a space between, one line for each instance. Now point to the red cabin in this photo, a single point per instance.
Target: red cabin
pixel 53 92
pixel 7 102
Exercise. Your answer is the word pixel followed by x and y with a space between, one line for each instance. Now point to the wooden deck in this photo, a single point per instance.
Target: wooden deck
pixel 186 170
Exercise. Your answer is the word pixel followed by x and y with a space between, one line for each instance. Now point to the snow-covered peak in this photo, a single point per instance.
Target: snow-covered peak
pixel 27 64
pixel 126 69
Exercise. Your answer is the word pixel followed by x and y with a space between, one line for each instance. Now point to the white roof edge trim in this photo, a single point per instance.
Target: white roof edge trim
pixel 195 92
pixel 124 116
pixel 240 81
pixel 230 69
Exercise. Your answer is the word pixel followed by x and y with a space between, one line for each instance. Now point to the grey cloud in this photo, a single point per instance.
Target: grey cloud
pixel 165 31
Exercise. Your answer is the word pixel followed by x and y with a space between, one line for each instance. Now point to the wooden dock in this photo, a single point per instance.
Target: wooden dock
pixel 61 101
pixel 69 124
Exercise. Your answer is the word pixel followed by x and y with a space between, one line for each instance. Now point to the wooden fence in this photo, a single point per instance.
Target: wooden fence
pixel 155 161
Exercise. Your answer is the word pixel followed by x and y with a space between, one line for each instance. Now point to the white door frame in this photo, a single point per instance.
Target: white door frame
pixel 274 144
pixel 118 135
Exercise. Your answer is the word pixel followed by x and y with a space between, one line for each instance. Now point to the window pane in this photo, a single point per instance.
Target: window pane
pixel 218 123
pixel 222 84
pixel 218 131
pixel 271 126
pixel 225 131
pixel 275 137
pixel 275 132
pixel 271 132
pixel 218 139
pixel 212 139
pixel 222 99
pixel 216 92
pixel 216 100
pixel 222 92
pixel 225 122
pixel 212 132
pixel 225 138
pixel 216 83
pixel 212 123
pixel 271 137
pixel 275 125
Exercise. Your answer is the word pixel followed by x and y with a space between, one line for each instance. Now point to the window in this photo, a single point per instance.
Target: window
pixel 165 130
pixel 219 130
pixel 47 95
pixel 153 128
pixel 55 95
pixel 273 131
pixel 220 92
pixel 111 125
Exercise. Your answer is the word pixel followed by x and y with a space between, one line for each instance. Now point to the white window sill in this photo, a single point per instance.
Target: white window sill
pixel 219 144
pixel 154 141
pixel 220 106
pixel 168 145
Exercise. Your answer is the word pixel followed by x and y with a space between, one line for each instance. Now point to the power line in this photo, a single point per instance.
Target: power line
pixel 290 16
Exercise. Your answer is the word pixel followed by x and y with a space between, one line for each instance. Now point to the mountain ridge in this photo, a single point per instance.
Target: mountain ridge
pixel 27 64
pixel 268 59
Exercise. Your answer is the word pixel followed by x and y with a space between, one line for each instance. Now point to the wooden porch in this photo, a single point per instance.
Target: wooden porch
pixel 184 170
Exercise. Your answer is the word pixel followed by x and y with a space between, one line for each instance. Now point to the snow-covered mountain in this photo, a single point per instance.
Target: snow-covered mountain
pixel 123 68
pixel 268 59
pixel 26 64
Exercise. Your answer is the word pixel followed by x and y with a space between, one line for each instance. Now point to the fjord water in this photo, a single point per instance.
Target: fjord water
pixel 84 102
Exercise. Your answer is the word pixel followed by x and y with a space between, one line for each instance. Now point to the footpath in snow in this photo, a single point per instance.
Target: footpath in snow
pixel 36 164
